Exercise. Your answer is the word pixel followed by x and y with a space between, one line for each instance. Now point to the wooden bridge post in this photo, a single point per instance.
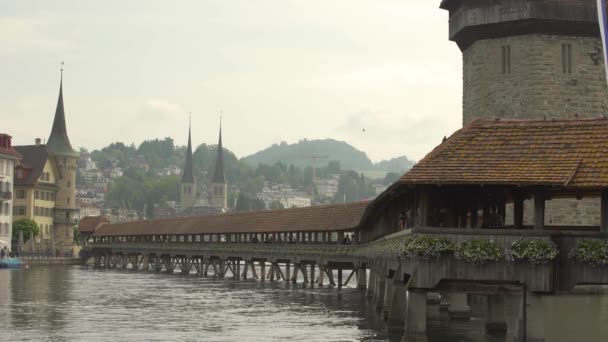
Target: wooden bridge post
pixel 340 278
pixel 379 291
pixel 361 278
pixel 222 267
pixel 322 270
pixel 415 322
pixel 312 274
pixel 387 304
pixel 398 305
pixel 263 269
pixel 296 268
pixel 287 271
pixel 372 281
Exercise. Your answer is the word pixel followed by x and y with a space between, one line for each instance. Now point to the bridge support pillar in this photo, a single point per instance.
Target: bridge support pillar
pixel 372 283
pixel 415 322
pixel 145 262
pixel 312 275
pixel 222 270
pixel 496 322
pixel 387 305
pixel 263 269
pixel 535 318
pixel 459 307
pixel 287 271
pixel 321 279
pixel 362 278
pixel 379 291
pixel 398 311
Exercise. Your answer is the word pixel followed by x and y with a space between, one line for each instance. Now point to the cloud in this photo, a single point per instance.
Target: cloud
pixel 25 35
pixel 161 110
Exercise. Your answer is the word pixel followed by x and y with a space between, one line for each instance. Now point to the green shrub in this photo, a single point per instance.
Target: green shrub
pixel 536 251
pixel 591 252
pixel 429 247
pixel 478 251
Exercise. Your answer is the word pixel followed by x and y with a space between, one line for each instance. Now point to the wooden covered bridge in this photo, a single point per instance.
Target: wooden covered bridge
pixel 469 218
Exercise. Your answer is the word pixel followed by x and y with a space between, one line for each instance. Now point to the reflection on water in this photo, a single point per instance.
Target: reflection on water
pixel 82 304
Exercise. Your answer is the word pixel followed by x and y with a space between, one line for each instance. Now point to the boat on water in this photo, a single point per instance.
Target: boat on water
pixel 11 263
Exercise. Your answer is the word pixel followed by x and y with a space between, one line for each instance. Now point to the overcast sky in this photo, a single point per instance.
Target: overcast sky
pixel 280 70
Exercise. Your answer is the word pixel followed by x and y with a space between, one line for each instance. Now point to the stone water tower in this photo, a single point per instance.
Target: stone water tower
pixel 529 59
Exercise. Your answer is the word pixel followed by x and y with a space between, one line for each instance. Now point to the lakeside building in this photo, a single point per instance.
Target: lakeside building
pixel 8 157
pixel 45 183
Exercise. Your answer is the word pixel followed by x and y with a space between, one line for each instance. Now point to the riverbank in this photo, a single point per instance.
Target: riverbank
pixel 34 261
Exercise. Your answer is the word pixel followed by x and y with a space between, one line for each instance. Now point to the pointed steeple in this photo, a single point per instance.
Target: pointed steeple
pixel 219 176
pixel 59 143
pixel 188 176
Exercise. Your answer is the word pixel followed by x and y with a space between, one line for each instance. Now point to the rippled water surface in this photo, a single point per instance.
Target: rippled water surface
pixel 83 304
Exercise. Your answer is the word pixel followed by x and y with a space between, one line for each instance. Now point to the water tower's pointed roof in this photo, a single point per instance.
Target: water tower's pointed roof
pixel 188 176
pixel 219 176
pixel 59 143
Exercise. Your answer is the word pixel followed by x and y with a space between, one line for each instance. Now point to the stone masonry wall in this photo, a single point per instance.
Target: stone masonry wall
pixel 562 212
pixel 536 86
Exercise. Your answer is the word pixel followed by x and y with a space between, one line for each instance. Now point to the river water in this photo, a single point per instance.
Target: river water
pixel 85 304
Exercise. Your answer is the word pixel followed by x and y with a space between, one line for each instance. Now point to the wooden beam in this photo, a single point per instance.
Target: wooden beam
pixel 604 213
pixel 539 209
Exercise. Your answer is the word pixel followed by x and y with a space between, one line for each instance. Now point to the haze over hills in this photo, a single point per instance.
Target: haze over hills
pixel 300 154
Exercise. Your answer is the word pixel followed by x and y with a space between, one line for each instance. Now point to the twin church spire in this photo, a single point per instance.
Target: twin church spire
pixel 219 188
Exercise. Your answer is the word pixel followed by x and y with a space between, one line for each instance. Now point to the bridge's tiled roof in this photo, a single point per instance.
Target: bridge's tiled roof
pixel 565 153
pixel 338 217
pixel 89 224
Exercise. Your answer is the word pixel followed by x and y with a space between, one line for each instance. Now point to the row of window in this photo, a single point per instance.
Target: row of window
pixel 20 210
pixel 5 209
pixel 5 186
pixel 567 63
pixel 42 211
pixel 45 195
pixel 4 229
pixel 45 176
pixel 6 167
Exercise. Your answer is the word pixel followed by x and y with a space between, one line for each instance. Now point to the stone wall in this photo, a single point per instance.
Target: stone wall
pixel 562 212
pixel 536 86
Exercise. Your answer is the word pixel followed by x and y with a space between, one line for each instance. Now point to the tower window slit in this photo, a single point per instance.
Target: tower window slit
pixel 567 58
pixel 506 59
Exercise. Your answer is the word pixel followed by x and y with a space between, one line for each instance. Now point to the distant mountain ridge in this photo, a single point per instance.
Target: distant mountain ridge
pixel 300 154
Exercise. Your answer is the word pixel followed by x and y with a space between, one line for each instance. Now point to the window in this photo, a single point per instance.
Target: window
pixel 68 200
pixel 52 196
pixel 37 194
pixel 20 211
pixel 19 173
pixel 20 193
pixel 567 58
pixel 506 59
pixel 69 184
pixel 7 209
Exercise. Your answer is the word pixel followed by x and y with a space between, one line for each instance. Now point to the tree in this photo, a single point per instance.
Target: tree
pixel 276 205
pixel 26 226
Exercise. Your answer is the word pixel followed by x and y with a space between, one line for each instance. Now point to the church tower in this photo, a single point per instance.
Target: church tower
pixel 529 59
pixel 58 147
pixel 219 192
pixel 188 184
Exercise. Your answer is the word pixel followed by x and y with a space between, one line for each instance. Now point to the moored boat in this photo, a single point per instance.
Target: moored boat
pixel 11 263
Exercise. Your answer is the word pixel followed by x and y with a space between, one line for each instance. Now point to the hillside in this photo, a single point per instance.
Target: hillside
pixel 300 153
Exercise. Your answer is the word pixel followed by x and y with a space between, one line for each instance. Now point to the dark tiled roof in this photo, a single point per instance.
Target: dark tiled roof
pixel 59 143
pixel 219 176
pixel 34 158
pixel 90 224
pixel 567 153
pixel 8 150
pixel 188 176
pixel 321 218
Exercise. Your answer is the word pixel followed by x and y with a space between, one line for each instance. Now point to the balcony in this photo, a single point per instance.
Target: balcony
pixel 6 195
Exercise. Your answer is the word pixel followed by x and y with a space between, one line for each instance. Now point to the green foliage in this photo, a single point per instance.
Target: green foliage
pixel 137 190
pixel 118 152
pixel 276 205
pixel 354 187
pixel 161 153
pixel 591 252
pixel 534 250
pixel 26 226
pixel 76 236
pixel 245 203
pixel 478 251
pixel 429 247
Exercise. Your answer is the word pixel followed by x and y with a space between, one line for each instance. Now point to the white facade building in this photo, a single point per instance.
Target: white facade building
pixel 8 156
